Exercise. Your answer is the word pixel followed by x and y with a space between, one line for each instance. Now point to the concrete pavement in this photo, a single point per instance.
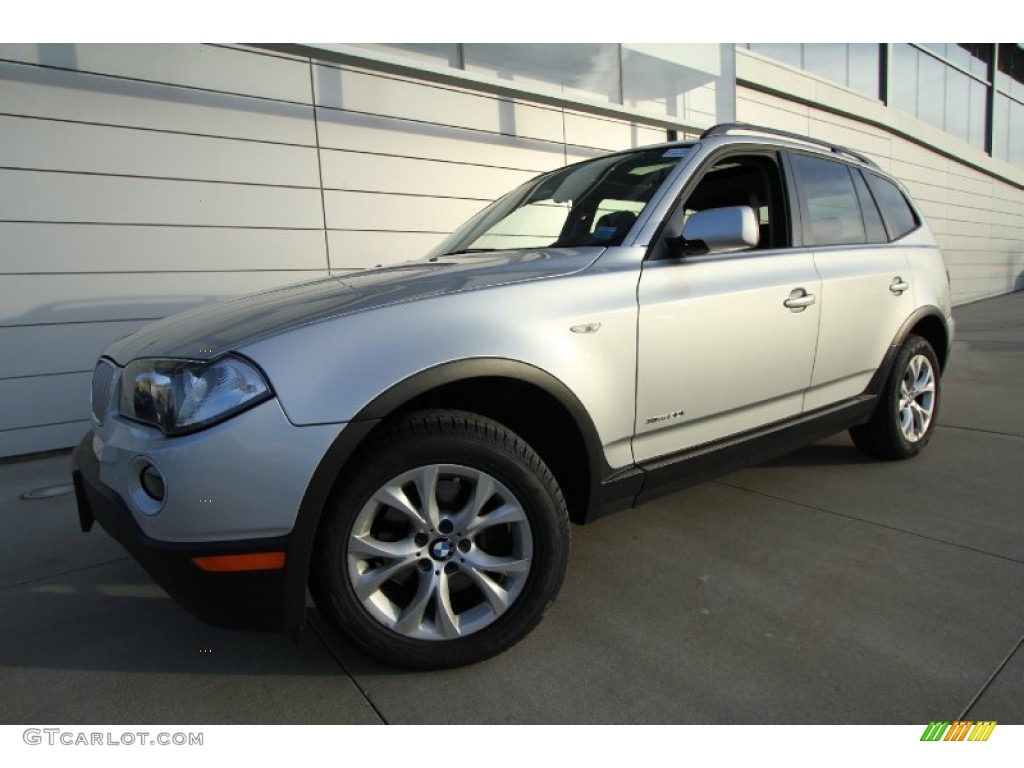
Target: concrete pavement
pixel 818 588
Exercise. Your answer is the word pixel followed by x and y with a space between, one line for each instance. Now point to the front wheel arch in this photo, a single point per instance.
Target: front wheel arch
pixel 432 388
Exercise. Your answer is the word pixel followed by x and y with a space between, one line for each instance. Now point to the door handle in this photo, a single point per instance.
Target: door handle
pixel 899 285
pixel 799 300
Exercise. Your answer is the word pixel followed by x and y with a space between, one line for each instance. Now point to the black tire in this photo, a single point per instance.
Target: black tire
pixel 467 457
pixel 888 435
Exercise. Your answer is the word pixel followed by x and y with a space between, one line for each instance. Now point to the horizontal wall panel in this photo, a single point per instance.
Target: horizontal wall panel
pixel 41 196
pixel 922 192
pixel 32 299
pixel 44 247
pixel 645 135
pixel 356 171
pixel 196 66
pixel 45 438
pixel 32 350
pixel 924 173
pixel 585 131
pixel 970 183
pixel 353 250
pixel 44 400
pixel 52 145
pixel 363 211
pixel 870 143
pixel 406 138
pixel 74 96
pixel 762 109
pixel 976 200
pixel 377 95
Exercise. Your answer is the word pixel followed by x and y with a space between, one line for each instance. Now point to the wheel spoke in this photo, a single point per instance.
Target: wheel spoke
pixel 479 560
pixel 367 583
pixel 444 615
pixel 412 616
pixel 426 485
pixel 483 492
pixel 495 594
pixel 366 547
pixel 392 495
pixel 506 513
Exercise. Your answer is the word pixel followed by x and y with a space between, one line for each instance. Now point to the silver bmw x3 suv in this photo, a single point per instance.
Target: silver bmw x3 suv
pixel 412 442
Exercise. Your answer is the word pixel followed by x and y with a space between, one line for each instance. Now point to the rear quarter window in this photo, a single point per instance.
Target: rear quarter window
pixel 899 217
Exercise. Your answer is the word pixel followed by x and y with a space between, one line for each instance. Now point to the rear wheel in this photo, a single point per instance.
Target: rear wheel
pixel 906 414
pixel 445 544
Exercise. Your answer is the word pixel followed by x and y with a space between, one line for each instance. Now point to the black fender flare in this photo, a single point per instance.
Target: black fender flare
pixel 882 372
pixel 321 484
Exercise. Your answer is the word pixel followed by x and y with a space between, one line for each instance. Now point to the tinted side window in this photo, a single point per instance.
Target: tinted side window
pixel 753 180
pixel 872 219
pixel 828 202
pixel 899 216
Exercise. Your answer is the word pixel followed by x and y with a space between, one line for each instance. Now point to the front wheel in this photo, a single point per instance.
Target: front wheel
pixel 908 406
pixel 445 544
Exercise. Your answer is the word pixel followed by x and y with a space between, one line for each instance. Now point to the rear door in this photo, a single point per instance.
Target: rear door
pixel 865 280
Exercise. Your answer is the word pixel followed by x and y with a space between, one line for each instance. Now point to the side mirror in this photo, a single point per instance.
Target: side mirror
pixel 719 230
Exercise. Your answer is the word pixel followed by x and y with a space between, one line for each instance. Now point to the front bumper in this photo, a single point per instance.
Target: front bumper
pixel 248 599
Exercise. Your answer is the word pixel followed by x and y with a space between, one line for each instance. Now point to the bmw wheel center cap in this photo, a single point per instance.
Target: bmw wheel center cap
pixel 441 549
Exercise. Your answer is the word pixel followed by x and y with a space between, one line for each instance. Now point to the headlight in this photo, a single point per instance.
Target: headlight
pixel 179 396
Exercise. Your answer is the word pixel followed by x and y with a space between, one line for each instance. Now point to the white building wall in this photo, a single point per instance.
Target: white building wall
pixel 977 213
pixel 140 180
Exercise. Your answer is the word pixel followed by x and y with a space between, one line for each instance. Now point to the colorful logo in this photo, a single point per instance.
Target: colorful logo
pixel 961 730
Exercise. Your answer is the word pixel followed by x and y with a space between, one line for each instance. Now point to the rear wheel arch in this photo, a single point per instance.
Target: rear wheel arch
pixel 926 322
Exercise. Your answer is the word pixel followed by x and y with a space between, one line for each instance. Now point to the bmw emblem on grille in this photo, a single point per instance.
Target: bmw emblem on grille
pixel 441 549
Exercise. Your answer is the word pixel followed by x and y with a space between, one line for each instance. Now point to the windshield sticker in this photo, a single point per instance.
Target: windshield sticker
pixel 677 152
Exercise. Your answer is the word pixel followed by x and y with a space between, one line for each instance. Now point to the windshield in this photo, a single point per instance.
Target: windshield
pixel 591 203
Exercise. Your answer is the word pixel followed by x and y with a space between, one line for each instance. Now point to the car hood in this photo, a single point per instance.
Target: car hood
pixel 211 330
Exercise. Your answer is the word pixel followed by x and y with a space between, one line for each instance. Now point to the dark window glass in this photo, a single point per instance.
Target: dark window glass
pixel 829 203
pixel 899 216
pixel 980 54
pixel 751 180
pixel 1010 74
pixel 872 218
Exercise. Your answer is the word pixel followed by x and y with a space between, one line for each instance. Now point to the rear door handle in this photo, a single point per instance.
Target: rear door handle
pixel 899 285
pixel 799 300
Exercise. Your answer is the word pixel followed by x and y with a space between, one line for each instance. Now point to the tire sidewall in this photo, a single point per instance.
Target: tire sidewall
pixel 491 450
pixel 914 346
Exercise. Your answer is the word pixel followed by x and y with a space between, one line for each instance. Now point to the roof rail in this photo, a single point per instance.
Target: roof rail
pixel 724 128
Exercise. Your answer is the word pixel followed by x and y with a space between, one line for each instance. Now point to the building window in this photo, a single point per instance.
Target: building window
pixel 854 65
pixel 682 81
pixel 939 83
pixel 693 83
pixel 443 54
pixel 583 70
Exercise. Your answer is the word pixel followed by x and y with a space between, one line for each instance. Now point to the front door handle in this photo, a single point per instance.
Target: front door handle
pixel 799 300
pixel 899 285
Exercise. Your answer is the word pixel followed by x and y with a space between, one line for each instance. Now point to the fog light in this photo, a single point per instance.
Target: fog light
pixel 152 482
